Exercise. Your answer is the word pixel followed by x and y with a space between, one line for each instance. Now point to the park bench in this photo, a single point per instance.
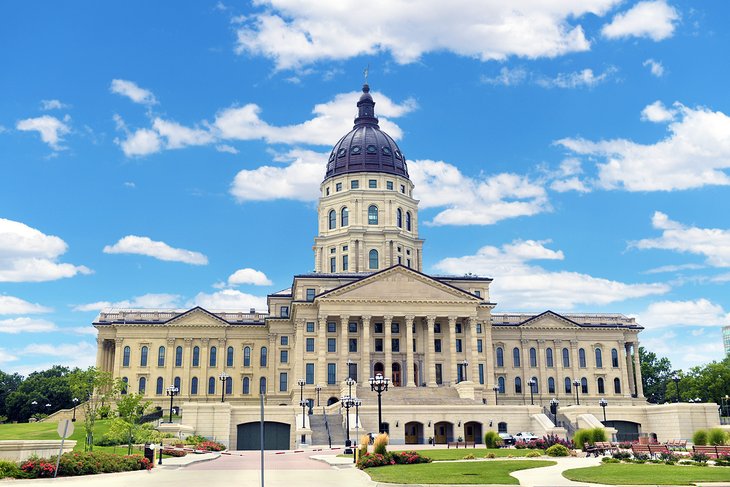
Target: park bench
pixel 723 450
pixel 591 450
pixel 457 444
pixel 655 450
pixel 605 447
pixel 677 444
pixel 640 449
pixel 709 450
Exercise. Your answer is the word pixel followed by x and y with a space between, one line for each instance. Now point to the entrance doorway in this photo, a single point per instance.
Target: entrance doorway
pixel 443 432
pixel 473 431
pixel 276 436
pixel 396 374
pixel 414 433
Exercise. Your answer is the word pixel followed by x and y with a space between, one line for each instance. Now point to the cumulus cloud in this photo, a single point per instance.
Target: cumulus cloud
pixel 152 301
pixel 695 153
pixel 653 19
pixel 29 255
pixel 52 105
pixel 674 268
pixel 657 112
pixel 226 148
pixel 507 77
pixel 712 243
pixel 132 244
pixel 295 34
pixel 131 90
pixel 584 78
pixel 26 325
pixel 521 285
pixel 656 67
pixel 229 299
pixel 10 305
pixel 248 276
pixel 699 312
pixel 51 129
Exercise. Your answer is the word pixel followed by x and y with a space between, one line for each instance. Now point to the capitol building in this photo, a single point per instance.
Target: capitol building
pixel 456 367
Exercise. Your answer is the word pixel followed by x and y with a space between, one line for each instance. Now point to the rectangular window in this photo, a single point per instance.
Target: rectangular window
pixel 310 294
pixel 414 344
pixel 338 187
pixel 395 328
pixel 373 183
pixel 284 340
pixel 437 327
pixel 331 373
pixel 481 373
pixel 378 328
pixel 344 248
pixel 352 327
pixel 310 344
pixel 458 328
pixel 332 345
pixel 479 327
pixel 378 344
pixel 283 382
pixel 310 326
pixel 353 345
pixel 480 345
pixel 439 375
pixel 345 263
pixel 327 191
pixel 400 259
pixel 389 185
pixel 402 189
pixel 333 264
pixel 309 373
pixel 458 345
pixel 478 294
pixel 408 263
pixel 284 356
pixel 333 250
pixel 354 184
pixel 284 312
pixel 331 327
pixel 395 344
pixel 437 345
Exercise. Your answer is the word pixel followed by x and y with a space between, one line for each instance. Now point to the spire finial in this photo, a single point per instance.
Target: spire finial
pixel 367 71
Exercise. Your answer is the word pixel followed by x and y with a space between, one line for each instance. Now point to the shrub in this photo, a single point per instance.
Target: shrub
pixel 10 469
pixel 38 468
pixel 668 458
pixel 625 445
pixel 409 458
pixel 469 457
pixel 598 434
pixel 195 439
pixel 699 437
pixel 699 457
pixel 535 453
pixel 716 436
pixel 520 445
pixel 582 438
pixel 640 457
pixel 173 453
pixel 370 460
pixel 491 438
pixel 610 460
pixel 557 451
pixel 87 463
pixel 490 455
pixel 364 442
pixel 380 446
pixel 621 455
pixel 209 445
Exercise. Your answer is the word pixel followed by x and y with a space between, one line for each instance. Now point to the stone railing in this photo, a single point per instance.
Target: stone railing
pixel 21 450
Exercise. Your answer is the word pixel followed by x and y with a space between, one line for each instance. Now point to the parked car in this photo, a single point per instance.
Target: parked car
pixel 507 439
pixel 525 436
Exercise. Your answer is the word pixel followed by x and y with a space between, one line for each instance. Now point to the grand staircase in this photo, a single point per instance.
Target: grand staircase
pixel 319 429
pixel 415 396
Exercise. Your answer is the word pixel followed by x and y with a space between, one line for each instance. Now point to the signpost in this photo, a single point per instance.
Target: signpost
pixel 65 429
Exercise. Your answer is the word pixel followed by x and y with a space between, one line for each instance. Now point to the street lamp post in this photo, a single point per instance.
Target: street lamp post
pixel 676 380
pixel 576 384
pixel 75 401
pixel 379 384
pixel 302 404
pixel 554 403
pixel 531 383
pixel 172 391
pixel 33 404
pixel 224 379
pixel 317 389
pixel 347 402
pixel 357 403
pixel 350 382
pixel 496 390
pixel 603 403
pixel 725 405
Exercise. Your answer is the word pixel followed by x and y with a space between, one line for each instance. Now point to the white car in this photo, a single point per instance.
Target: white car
pixel 525 436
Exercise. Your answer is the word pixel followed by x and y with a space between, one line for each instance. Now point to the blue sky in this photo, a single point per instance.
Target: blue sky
pixel 169 154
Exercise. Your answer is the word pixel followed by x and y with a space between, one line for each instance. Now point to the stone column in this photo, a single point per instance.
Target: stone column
pixel 317 259
pixel 625 391
pixel 204 361
pixel 186 368
pixel 430 364
pixel 271 382
pixel 388 365
pixel 542 386
pixel 558 364
pixel 637 369
pixel 170 361
pixel 320 375
pixel 365 347
pixel 100 355
pixel 630 369
pixel 452 349
pixel 472 355
pixel 298 350
pixel 118 356
pixel 574 360
pixel 343 350
pixel 408 375
pixel 525 352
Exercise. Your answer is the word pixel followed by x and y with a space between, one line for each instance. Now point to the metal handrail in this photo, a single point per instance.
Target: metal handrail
pixel 327 426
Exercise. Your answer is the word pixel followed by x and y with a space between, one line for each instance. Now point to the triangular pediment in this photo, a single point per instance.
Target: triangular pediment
pixel 197 317
pixel 549 319
pixel 399 284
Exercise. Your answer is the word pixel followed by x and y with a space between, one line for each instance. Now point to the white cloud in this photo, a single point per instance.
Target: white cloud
pixel 295 33
pixel 507 77
pixel 226 148
pixel 141 143
pixel 50 129
pixel 26 325
pixel 523 286
pixel 52 105
pixel 152 301
pixel 656 67
pixel 81 354
pixel 579 79
pixel 674 268
pixel 699 312
pixel 129 184
pixel 178 136
pixel 10 305
pixel 570 184
pixel 132 244
pixel 28 255
pixel 81 330
pixel 657 112
pixel 132 91
pixel 6 356
pixel 695 153
pixel 712 243
pixel 249 276
pixel 653 19
pixel 229 299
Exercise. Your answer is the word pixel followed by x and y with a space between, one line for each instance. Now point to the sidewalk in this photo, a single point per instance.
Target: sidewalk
pixel 188 459
pixel 553 476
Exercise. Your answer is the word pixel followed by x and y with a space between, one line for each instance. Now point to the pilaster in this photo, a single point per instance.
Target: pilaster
pixel 408 374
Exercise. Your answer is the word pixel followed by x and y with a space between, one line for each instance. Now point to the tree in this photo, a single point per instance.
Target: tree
pixel 45 387
pixel 131 408
pixel 8 383
pixel 709 382
pixel 95 389
pixel 656 374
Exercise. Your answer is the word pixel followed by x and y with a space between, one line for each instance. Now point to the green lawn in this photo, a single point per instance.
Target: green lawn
pixel 489 472
pixel 458 454
pixel 47 431
pixel 648 474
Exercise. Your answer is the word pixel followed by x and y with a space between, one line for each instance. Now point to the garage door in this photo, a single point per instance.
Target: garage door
pixel 276 436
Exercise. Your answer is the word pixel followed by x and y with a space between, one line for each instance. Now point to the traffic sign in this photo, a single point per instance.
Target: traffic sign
pixel 65 428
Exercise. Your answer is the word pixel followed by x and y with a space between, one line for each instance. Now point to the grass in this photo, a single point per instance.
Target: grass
pixel 648 474
pixel 491 472
pixel 47 431
pixel 439 454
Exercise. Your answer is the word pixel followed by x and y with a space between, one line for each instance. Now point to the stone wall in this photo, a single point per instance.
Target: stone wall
pixel 21 450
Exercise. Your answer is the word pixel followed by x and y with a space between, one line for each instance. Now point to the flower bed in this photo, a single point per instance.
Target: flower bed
pixel 173 453
pixel 370 460
pixel 81 463
pixel 210 446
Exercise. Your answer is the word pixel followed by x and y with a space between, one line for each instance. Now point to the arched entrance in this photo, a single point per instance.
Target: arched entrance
pixel 473 431
pixel 443 432
pixel 396 374
pixel 625 430
pixel 332 400
pixel 378 368
pixel 276 436
pixel 414 433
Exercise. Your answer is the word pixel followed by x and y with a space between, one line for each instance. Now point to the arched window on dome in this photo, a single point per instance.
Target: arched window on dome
pixel 344 217
pixel 372 215
pixel 333 219
pixel 399 218
pixel 373 258
pixel 408 221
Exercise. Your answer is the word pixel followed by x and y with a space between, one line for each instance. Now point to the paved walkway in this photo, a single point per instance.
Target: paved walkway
pixel 553 476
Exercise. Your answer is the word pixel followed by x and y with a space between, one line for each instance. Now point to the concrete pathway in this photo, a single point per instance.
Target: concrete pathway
pixel 553 476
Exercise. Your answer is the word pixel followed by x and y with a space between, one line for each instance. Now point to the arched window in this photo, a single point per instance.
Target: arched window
pixel 372 215
pixel 614 358
pixel 213 352
pixel 582 358
pixel 549 357
pixel 229 385
pixel 566 357
pixel 125 357
pixel 264 357
pixel 143 357
pixel 551 385
pixel 161 357
pixel 247 356
pixel 194 386
pixel 535 385
pixel 196 356
pixel 533 357
pixel 262 385
pixel 178 357
pixel 601 387
pixel 399 218
pixel 176 382
pixel 333 219
pixel 568 383
pixel 142 385
pixel 617 386
pixel 515 357
pixel 373 257
pixel 500 357
pixel 500 384
pixel 229 357
pixel 518 385
pixel 211 385
pixel 584 386
pixel 160 386
pixel 125 385
pixel 344 217
pixel 408 221
pixel 246 385
pixel 599 358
